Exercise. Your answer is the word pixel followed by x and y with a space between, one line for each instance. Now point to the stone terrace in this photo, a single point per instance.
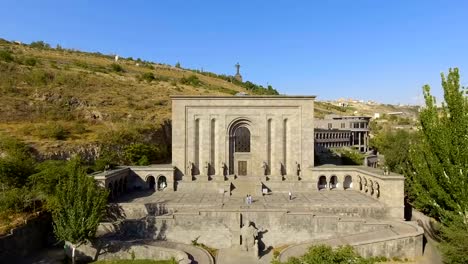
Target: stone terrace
pixel 323 201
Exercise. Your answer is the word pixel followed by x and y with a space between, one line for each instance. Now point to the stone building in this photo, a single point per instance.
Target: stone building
pixel 342 131
pixel 227 147
pixel 241 145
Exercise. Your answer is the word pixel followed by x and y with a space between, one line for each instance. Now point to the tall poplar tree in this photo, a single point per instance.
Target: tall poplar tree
pixel 438 165
pixel 78 206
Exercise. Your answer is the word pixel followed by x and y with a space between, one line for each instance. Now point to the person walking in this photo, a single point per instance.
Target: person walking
pixel 290 196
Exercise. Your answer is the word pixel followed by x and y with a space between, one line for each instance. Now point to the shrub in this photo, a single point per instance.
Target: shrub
pixel 116 67
pixel 40 77
pixel 6 55
pixel 141 154
pixel 39 45
pixel 177 65
pixel 15 200
pixel 147 76
pixel 191 80
pixel 327 255
pixel 52 130
pixel 30 61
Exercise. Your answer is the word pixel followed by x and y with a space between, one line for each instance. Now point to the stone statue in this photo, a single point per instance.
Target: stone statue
pixel 207 168
pixel 249 238
pixel 265 168
pixel 190 168
pixel 221 169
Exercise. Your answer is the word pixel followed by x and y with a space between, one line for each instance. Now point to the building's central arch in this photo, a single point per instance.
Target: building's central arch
pixel 240 147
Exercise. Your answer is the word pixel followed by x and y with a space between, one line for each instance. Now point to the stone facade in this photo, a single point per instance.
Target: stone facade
pixel 204 131
pixel 225 147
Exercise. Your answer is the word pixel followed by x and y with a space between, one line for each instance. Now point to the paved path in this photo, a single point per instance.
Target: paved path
pixel 235 256
pixel 196 254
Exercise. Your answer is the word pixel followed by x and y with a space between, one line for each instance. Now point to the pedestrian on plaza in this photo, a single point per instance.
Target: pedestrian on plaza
pixel 247 199
pixel 250 199
pixel 290 195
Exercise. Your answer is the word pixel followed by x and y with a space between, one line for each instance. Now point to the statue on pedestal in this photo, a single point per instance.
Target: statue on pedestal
pixel 190 169
pixel 249 238
pixel 207 169
pixel 298 169
pixel 265 168
pixel 221 169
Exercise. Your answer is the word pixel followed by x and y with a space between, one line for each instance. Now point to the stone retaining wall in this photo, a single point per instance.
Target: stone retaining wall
pixel 25 240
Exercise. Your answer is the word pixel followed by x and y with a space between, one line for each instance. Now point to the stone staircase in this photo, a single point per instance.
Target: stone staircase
pixel 244 185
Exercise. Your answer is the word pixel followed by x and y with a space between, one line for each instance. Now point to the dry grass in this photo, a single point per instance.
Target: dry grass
pixel 9 221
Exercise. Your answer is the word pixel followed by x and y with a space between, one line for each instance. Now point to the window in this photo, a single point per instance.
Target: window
pixel 329 125
pixel 342 125
pixel 242 136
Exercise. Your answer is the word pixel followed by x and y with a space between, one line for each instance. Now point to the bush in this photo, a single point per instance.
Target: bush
pixel 454 245
pixel 52 130
pixel 39 45
pixel 40 77
pixel 6 55
pixel 142 154
pixel 116 67
pixel 15 200
pixel 16 162
pixel 191 80
pixel 30 61
pixel 351 157
pixel 147 76
pixel 327 255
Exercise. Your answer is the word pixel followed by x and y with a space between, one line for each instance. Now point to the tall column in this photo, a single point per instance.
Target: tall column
pixel 277 141
pixel 204 146
pixel 359 140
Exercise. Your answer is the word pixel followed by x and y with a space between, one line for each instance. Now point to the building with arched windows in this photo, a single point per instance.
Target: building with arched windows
pixel 227 147
pixel 239 145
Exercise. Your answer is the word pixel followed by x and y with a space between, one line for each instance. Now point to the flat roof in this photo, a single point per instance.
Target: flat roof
pixel 243 96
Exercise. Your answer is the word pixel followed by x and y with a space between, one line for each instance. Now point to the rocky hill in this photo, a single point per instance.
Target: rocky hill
pixel 59 99
pixel 63 101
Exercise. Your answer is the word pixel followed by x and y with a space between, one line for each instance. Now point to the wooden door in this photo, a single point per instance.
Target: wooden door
pixel 242 167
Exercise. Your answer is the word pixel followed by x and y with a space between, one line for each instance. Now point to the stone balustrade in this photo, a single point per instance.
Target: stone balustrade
pixel 388 189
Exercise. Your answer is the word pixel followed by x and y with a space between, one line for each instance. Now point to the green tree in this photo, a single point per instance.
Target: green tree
pixel 49 175
pixel 142 154
pixel 40 45
pixel 394 145
pixel 78 205
pixel 16 163
pixel 438 172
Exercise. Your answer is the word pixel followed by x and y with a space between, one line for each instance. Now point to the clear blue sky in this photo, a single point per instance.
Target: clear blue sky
pixel 380 50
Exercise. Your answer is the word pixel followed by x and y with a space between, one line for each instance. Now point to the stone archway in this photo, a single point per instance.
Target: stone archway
pixel 322 183
pixel 240 147
pixel 348 182
pixel 151 182
pixel 162 182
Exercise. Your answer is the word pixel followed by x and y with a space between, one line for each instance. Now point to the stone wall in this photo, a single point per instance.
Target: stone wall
pixel 25 240
pixel 221 229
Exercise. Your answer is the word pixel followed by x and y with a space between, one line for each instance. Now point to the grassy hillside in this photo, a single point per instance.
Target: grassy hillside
pixel 57 98
pixel 61 100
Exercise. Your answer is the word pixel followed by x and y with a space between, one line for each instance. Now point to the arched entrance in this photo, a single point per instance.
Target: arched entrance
pixel 348 182
pixel 322 183
pixel 333 182
pixel 240 148
pixel 162 182
pixel 151 182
